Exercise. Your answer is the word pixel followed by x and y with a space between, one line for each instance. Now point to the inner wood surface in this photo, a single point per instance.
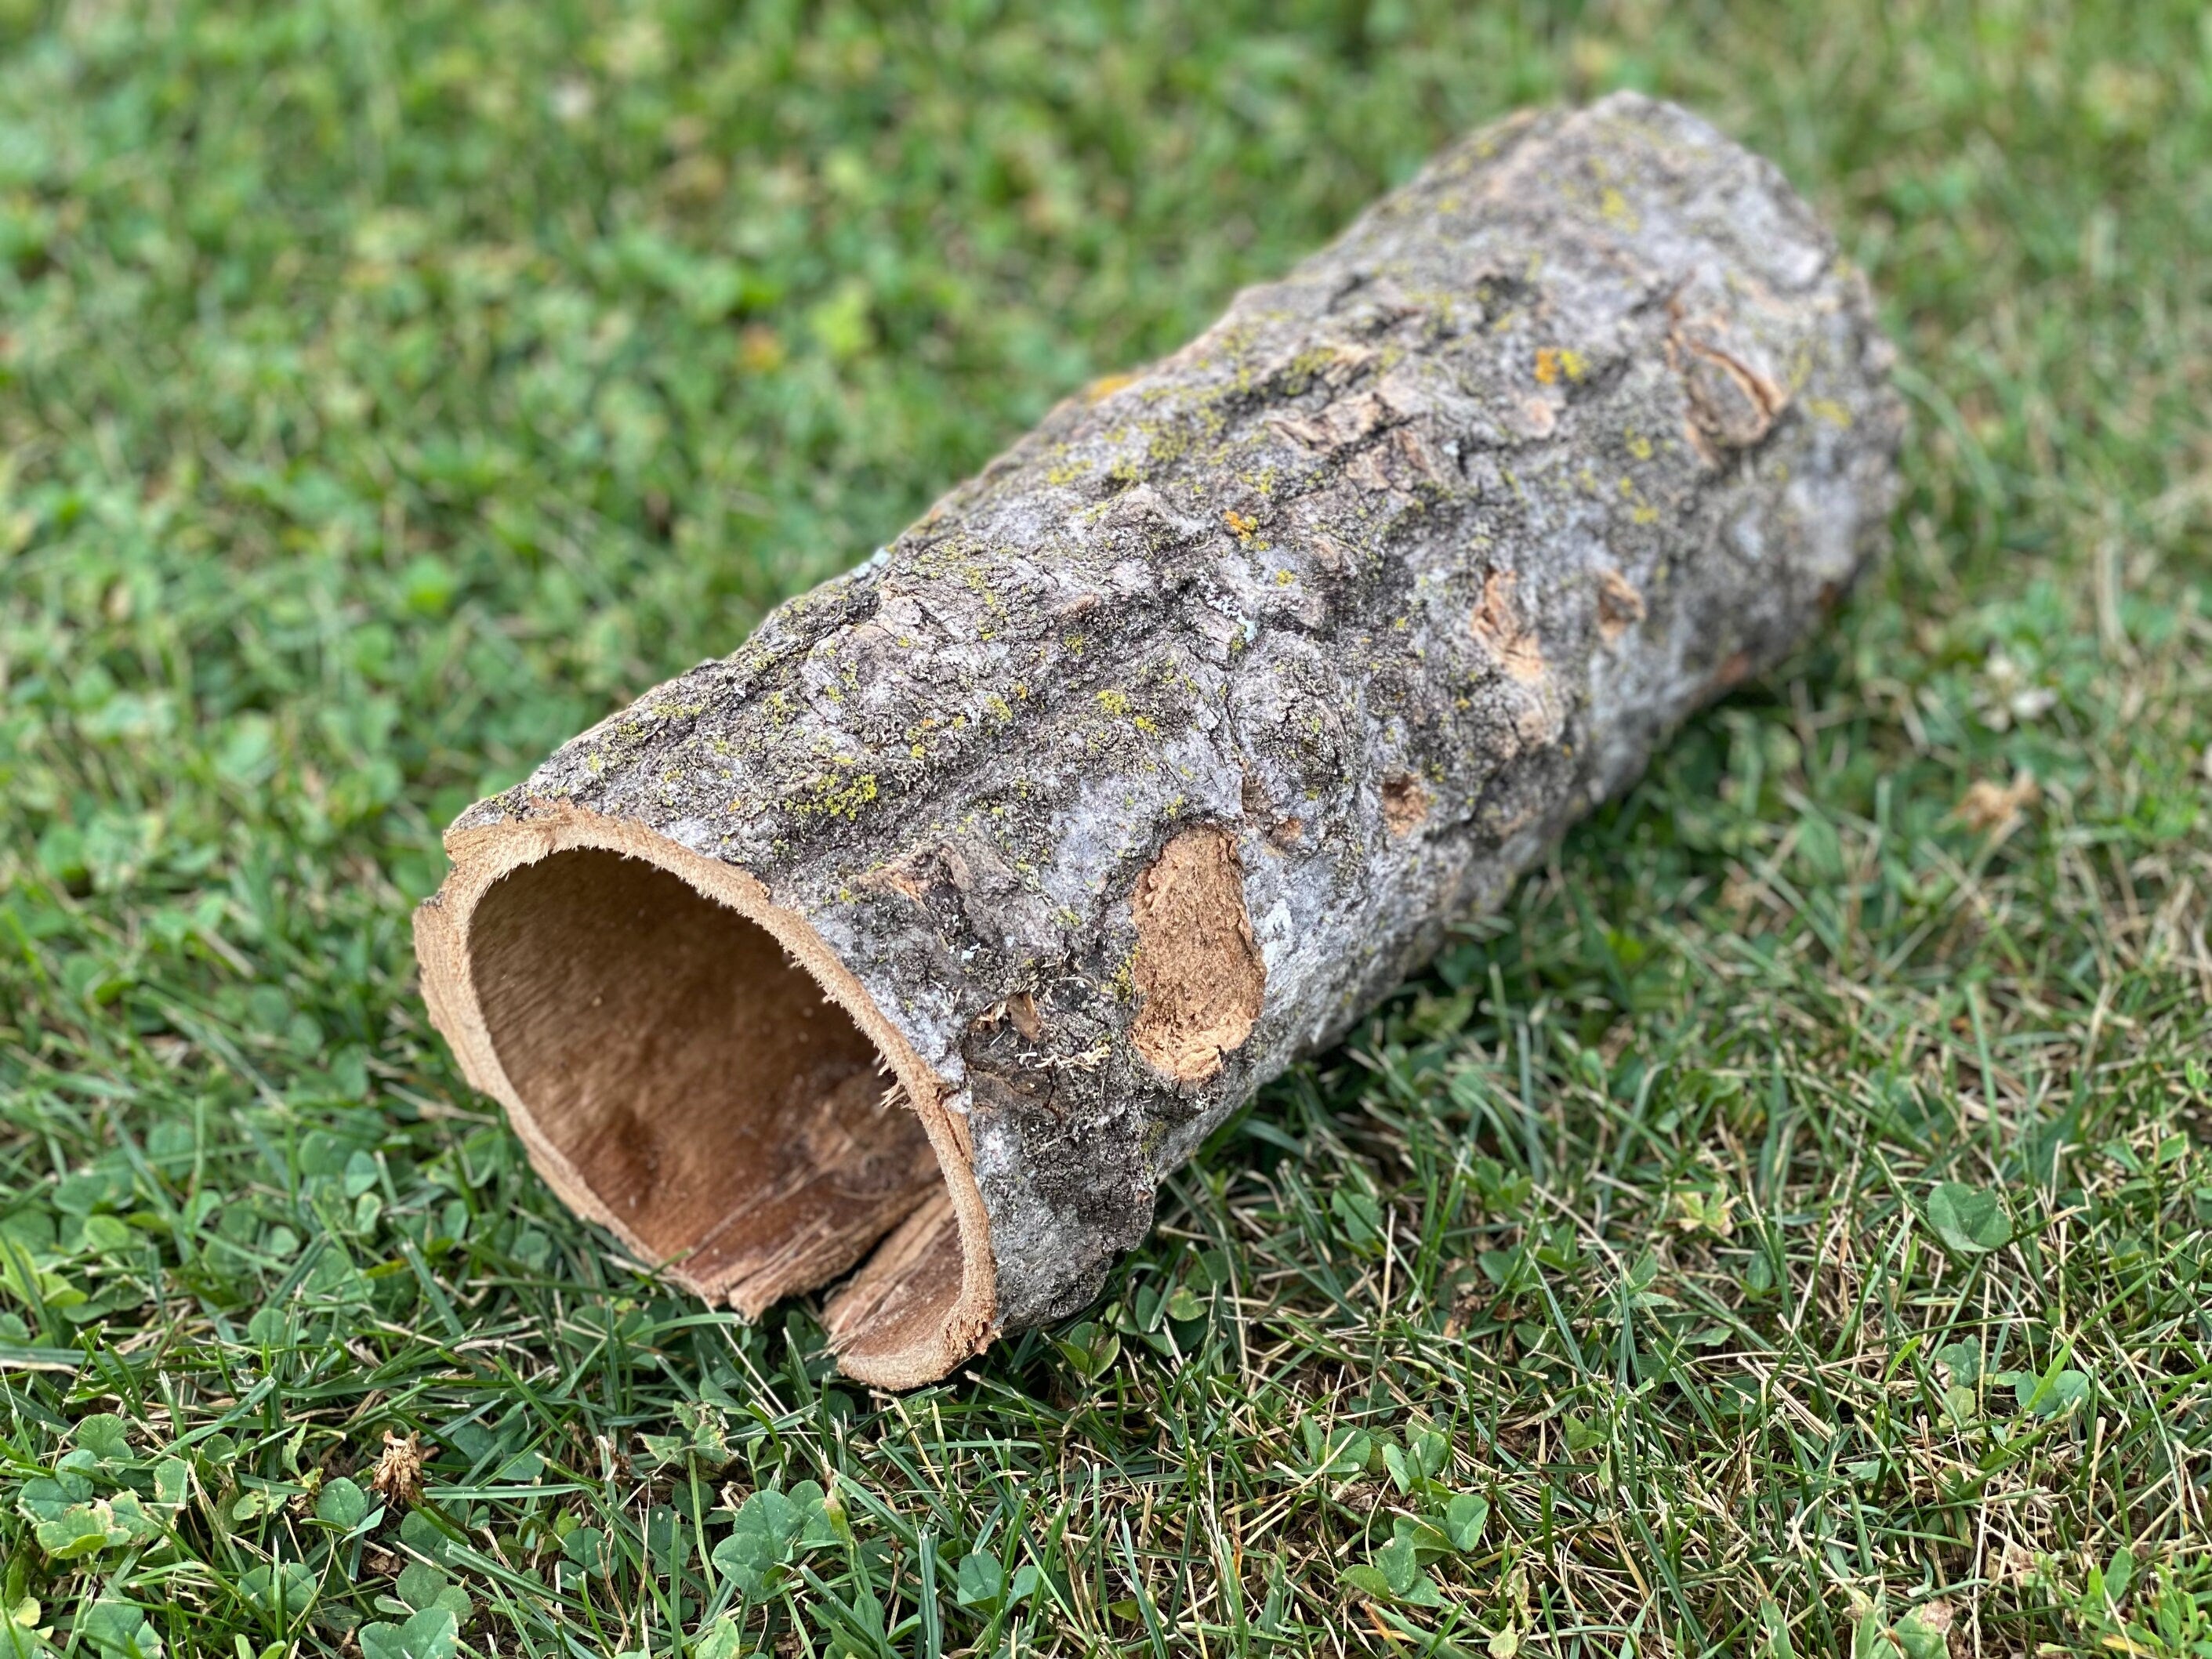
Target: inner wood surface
pixel 727 1116
pixel 896 1303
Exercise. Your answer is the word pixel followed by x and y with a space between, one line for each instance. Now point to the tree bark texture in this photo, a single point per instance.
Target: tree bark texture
pixel 928 932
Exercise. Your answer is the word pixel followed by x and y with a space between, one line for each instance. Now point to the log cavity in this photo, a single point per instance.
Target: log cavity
pixel 728 1119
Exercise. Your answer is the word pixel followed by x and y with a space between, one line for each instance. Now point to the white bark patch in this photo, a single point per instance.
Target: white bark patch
pixel 1198 967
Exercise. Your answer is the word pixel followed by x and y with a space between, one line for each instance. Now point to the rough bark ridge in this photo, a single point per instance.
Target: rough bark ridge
pixel 1151 757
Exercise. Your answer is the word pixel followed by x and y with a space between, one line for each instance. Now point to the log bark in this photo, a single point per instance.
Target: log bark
pixel 928 932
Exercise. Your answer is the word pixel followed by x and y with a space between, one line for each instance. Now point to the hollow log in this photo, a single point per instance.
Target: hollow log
pixel 918 940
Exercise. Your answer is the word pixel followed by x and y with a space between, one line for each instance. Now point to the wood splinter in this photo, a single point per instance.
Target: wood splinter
pixel 1151 757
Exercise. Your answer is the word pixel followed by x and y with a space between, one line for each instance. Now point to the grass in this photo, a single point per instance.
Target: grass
pixel 1786 1229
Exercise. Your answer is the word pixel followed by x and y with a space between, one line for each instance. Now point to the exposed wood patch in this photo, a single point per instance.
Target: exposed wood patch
pixel 1498 624
pixel 1619 606
pixel 1404 803
pixel 1198 967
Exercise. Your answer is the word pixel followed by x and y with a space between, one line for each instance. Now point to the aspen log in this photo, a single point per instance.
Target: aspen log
pixel 913 944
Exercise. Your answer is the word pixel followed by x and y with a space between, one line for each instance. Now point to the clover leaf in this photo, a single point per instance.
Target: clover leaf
pixel 433 1633
pixel 1968 1219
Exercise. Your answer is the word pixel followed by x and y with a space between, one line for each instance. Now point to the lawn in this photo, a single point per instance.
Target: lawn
pixel 1786 1229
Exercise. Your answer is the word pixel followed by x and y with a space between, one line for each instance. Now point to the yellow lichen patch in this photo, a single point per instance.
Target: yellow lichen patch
pixel 1831 411
pixel 1306 366
pixel 1619 606
pixel 1115 703
pixel 1498 624
pixel 1555 363
pixel 978 582
pixel 834 797
pixel 1105 387
pixel 1242 524
pixel 1168 444
pixel 1639 509
pixel 1197 971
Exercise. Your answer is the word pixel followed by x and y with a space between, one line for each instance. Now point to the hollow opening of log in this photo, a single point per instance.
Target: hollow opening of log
pixel 729 1119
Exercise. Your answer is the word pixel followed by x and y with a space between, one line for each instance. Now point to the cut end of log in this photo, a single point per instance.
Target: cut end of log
pixel 691 1067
